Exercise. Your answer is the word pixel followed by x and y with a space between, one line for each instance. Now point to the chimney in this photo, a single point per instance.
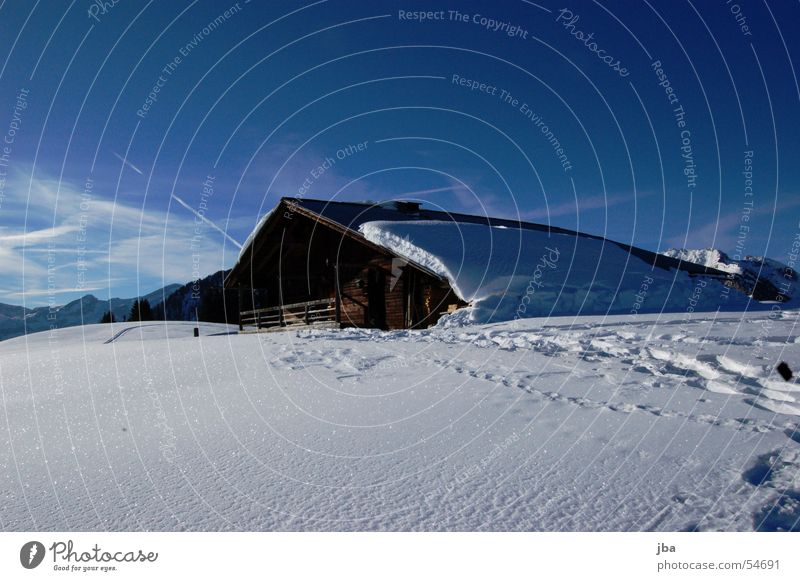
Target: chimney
pixel 407 207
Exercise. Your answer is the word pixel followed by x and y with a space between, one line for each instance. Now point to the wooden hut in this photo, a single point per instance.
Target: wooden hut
pixel 307 264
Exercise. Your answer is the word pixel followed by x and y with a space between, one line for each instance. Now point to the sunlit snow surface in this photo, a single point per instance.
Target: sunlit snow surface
pixel 623 423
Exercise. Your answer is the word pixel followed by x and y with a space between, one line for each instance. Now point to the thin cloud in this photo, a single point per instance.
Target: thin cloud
pixel 584 203
pixel 126 162
pixel 723 232
pixel 418 193
pixel 37 236
pixel 53 291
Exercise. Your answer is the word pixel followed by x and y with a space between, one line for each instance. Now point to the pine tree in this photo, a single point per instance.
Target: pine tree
pixel 141 311
pixel 158 312
pixel 134 314
pixel 145 312
pixel 108 317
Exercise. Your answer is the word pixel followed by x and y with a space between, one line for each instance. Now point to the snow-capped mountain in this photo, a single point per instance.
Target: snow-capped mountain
pixel 760 276
pixel 16 320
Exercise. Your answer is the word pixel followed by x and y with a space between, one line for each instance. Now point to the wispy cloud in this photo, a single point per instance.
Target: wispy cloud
pixel 46 292
pixel 718 233
pixel 58 241
pixel 723 233
pixel 35 237
pixel 582 204
pixel 417 193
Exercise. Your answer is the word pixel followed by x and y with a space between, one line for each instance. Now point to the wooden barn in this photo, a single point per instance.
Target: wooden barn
pixel 306 263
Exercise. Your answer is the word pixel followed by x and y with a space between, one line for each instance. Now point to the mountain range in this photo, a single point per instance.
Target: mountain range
pixel 17 320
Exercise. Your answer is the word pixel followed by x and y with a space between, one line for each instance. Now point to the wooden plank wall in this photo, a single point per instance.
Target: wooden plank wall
pixel 354 298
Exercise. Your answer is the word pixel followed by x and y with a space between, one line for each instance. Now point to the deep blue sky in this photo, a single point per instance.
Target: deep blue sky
pixel 262 98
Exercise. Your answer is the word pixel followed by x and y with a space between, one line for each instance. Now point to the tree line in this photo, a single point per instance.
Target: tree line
pixel 140 311
pixel 203 300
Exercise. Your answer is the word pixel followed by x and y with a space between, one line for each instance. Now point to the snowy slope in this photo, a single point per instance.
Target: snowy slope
pixel 508 273
pixel 90 335
pixel 595 423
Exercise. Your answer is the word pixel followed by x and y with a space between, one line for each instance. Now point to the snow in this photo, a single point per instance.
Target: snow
pixel 114 333
pixel 753 267
pixel 707 257
pixel 507 273
pixel 630 422
pixel 253 234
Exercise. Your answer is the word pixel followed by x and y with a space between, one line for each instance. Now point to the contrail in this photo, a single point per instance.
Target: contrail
pixel 126 162
pixel 206 220
pixel 454 188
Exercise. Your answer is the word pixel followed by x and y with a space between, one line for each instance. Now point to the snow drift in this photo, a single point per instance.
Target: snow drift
pixel 507 273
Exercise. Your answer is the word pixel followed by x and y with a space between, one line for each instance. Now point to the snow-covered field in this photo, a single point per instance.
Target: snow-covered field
pixel 618 423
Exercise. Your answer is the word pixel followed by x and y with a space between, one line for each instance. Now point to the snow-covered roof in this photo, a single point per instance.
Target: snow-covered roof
pixel 252 236
pixel 510 273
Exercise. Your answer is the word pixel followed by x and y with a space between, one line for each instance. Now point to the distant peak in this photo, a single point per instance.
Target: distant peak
pixel 712 257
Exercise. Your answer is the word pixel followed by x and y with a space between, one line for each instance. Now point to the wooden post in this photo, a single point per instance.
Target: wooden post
pixel 337 296
pixel 306 316
pixel 408 289
pixel 240 302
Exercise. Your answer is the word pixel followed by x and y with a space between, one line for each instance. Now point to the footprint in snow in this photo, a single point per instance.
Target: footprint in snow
pixel 777 470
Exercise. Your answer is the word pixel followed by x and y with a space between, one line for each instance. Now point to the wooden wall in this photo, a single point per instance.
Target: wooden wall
pixel 415 299
pixel 355 301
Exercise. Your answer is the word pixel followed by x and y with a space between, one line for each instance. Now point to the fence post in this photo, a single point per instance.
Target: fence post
pixel 337 296
pixel 306 317
pixel 240 304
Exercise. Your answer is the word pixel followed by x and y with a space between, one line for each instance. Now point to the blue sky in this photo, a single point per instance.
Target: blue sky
pixel 562 116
